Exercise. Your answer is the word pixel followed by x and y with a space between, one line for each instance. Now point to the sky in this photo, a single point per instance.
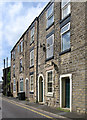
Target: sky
pixel 15 17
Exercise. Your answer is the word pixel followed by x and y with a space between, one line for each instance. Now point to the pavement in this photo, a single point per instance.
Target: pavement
pixel 52 110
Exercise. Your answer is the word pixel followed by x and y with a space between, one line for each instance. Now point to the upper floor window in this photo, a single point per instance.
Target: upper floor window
pixel 14 70
pixel 32 58
pixel 32 35
pixel 31 83
pixel 50 15
pixel 21 67
pixel 14 54
pixel 18 48
pixel 21 84
pixel 65 37
pixel 49 46
pixel 14 85
pixel 21 46
pixel 49 81
pixel 65 6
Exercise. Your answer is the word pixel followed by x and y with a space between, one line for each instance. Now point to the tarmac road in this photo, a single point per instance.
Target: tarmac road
pixel 14 110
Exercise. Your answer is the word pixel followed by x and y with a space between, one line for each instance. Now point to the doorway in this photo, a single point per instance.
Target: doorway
pixel 66 91
pixel 41 89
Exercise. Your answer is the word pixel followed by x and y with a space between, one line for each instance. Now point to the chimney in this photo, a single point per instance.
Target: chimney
pixel 7 61
pixel 4 63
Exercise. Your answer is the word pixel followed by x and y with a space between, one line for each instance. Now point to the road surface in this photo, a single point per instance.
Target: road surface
pixel 14 110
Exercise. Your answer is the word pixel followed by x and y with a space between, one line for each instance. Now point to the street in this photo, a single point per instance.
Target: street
pixel 12 109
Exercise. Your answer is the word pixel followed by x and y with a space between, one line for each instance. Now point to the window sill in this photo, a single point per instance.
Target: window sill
pixel 66 51
pixel 65 18
pixel 49 58
pixel 32 92
pixel 50 26
pixel 31 43
pixel 31 66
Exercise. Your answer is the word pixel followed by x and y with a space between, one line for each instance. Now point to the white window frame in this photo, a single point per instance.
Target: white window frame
pixel 32 35
pixel 30 83
pixel 31 58
pixel 49 17
pixel 14 85
pixel 63 7
pixel 21 80
pixel 62 33
pixel 50 46
pixel 49 93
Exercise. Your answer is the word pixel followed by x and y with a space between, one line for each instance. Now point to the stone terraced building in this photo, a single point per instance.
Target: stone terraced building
pixel 48 62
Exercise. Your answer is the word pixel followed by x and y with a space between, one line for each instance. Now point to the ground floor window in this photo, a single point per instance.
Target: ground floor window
pixel 31 83
pixel 21 84
pixel 49 81
pixel 14 87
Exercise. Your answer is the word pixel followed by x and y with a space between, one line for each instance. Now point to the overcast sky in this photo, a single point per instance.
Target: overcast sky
pixel 15 17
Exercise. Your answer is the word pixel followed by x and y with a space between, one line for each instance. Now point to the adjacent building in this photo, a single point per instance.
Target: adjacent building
pixel 6 79
pixel 48 62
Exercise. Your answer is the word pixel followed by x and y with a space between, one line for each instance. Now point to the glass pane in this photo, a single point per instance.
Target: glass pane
pixel 50 10
pixel 31 87
pixel 50 76
pixel 50 85
pixel 21 85
pixel 50 51
pixel 32 61
pixel 49 89
pixel 50 41
pixel 66 41
pixel 65 28
pixel 32 54
pixel 31 79
pixel 18 48
pixel 32 35
pixel 66 10
pixel 64 2
pixel 50 20
pixel 14 89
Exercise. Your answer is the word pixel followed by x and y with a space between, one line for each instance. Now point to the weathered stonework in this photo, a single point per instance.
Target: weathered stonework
pixel 72 62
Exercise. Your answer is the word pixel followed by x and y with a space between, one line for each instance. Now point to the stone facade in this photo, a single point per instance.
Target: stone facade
pixel 69 64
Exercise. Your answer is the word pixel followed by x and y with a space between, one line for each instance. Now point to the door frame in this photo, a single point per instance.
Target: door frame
pixel 25 84
pixel 70 77
pixel 40 75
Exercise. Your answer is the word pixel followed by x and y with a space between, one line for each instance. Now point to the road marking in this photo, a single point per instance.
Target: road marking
pixel 29 109
pixel 52 114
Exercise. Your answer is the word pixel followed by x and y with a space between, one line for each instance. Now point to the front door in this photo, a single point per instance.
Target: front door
pixel 66 92
pixel 40 89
